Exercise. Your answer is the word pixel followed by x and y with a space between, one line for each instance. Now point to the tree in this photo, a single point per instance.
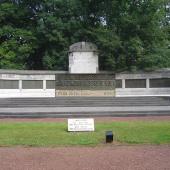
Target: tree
pixel 17 42
pixel 130 34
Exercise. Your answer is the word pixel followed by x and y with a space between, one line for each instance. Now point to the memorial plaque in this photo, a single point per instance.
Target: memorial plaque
pixel 85 85
pixel 80 125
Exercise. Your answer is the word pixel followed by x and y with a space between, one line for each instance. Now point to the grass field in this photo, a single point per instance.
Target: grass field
pixel 55 134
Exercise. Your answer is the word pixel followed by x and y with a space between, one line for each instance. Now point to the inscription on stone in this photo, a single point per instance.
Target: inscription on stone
pixel 85 85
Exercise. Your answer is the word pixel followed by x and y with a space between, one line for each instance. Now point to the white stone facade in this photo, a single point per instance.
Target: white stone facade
pixel 83 58
pixel 83 62
pixel 20 91
pixel 44 91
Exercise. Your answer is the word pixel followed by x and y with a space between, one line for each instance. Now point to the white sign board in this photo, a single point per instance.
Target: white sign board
pixel 80 125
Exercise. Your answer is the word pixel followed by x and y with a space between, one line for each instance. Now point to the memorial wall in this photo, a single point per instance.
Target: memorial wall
pixel 53 84
pixel 83 79
pixel 85 85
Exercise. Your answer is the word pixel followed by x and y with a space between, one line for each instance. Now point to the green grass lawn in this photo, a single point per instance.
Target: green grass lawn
pixel 55 134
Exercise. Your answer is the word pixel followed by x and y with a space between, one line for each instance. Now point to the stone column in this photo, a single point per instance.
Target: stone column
pixel 123 83
pixel 44 84
pixel 20 85
pixel 147 83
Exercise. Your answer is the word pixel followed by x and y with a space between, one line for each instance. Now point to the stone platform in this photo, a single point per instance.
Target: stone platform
pixel 83 107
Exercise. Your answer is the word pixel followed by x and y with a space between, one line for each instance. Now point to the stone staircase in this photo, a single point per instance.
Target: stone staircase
pixel 83 107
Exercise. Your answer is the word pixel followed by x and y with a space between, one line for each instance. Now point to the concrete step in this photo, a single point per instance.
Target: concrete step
pixel 84 115
pixel 83 107
pixel 85 101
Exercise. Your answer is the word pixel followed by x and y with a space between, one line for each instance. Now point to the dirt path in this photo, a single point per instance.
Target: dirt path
pixel 86 158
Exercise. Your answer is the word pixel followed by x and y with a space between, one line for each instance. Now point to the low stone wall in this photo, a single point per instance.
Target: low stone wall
pixel 155 83
pixel 15 83
pixel 142 92
pixel 27 83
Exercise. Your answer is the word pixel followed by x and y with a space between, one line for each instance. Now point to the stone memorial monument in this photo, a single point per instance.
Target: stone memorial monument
pixel 84 78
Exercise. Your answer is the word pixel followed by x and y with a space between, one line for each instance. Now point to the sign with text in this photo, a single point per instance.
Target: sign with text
pixel 85 92
pixel 80 125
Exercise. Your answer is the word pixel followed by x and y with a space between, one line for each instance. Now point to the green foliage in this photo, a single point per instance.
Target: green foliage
pixel 130 34
pixel 16 47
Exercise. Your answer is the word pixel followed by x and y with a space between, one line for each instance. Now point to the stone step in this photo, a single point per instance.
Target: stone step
pixel 89 102
pixel 84 115
pixel 83 107
pixel 86 105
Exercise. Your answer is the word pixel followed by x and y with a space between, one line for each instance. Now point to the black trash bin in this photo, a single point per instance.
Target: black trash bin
pixel 109 136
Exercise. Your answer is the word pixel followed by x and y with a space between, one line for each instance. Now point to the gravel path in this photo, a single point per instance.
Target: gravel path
pixel 86 158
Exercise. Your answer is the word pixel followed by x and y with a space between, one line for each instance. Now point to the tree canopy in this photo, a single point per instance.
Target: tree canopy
pixel 130 34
